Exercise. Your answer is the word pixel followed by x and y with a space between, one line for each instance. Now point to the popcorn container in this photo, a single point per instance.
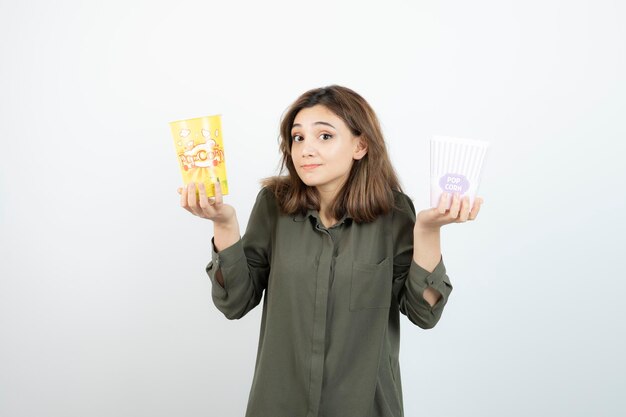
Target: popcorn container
pixel 455 167
pixel 200 150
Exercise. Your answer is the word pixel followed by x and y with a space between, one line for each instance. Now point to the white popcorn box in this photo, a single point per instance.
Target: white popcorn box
pixel 455 167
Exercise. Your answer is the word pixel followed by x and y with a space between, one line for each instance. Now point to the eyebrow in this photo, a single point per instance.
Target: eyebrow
pixel 316 123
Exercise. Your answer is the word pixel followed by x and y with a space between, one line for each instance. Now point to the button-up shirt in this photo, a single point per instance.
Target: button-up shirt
pixel 332 298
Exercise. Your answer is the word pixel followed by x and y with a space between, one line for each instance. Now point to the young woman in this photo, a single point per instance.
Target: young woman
pixel 337 249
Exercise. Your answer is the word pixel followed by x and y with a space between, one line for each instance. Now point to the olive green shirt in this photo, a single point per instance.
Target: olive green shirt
pixel 330 328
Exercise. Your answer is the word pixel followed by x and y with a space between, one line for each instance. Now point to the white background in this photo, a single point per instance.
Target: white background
pixel 105 307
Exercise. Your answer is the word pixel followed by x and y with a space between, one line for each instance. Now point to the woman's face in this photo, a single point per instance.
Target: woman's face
pixel 323 148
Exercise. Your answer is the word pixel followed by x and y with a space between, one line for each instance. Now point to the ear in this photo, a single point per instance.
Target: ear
pixel 361 148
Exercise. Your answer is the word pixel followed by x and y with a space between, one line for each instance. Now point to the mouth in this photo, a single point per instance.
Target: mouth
pixel 310 166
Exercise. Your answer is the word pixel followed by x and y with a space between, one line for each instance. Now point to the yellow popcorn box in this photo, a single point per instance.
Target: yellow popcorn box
pixel 200 149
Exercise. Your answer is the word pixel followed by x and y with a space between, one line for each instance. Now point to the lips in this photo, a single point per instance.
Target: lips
pixel 310 166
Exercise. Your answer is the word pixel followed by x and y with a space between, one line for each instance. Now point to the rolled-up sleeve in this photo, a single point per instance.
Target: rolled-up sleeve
pixel 413 304
pixel 409 279
pixel 245 264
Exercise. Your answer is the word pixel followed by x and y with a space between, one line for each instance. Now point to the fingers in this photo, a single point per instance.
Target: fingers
pixel 465 209
pixel 188 199
pixel 202 199
pixel 443 203
pixel 477 204
pixel 183 197
pixel 460 210
pixel 455 207
pixel 192 200
pixel 200 205
pixel 219 198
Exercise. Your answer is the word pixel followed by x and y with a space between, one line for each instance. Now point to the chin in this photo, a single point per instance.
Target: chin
pixel 309 183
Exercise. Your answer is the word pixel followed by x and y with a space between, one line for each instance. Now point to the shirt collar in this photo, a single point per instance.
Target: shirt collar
pixel 314 214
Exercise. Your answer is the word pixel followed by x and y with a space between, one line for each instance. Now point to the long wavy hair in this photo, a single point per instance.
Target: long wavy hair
pixel 368 192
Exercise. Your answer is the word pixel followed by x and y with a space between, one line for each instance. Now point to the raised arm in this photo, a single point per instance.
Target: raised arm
pixel 421 284
pixel 239 267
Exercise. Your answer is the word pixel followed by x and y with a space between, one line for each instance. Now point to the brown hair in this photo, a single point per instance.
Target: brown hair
pixel 368 192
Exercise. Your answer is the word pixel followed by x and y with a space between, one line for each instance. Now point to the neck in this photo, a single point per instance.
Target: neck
pixel 326 197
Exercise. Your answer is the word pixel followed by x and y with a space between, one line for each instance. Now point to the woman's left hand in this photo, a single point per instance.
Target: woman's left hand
pixel 459 212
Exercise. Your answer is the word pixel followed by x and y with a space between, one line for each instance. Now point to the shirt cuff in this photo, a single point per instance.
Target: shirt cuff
pixel 437 279
pixel 223 259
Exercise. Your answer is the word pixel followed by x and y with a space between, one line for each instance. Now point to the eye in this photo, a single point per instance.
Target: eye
pixel 326 136
pixel 296 138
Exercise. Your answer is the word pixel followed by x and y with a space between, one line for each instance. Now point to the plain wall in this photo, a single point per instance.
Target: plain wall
pixel 105 307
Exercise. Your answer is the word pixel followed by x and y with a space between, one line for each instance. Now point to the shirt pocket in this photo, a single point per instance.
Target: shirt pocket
pixel 370 285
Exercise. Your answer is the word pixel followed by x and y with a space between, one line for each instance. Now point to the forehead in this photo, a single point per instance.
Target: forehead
pixel 317 113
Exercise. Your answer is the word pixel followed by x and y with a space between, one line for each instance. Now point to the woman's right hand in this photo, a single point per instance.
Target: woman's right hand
pixel 212 208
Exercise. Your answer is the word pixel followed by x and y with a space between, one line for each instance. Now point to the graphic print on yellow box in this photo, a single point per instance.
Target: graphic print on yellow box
pixel 200 149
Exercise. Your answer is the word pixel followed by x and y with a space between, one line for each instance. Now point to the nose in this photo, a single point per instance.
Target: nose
pixel 307 148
